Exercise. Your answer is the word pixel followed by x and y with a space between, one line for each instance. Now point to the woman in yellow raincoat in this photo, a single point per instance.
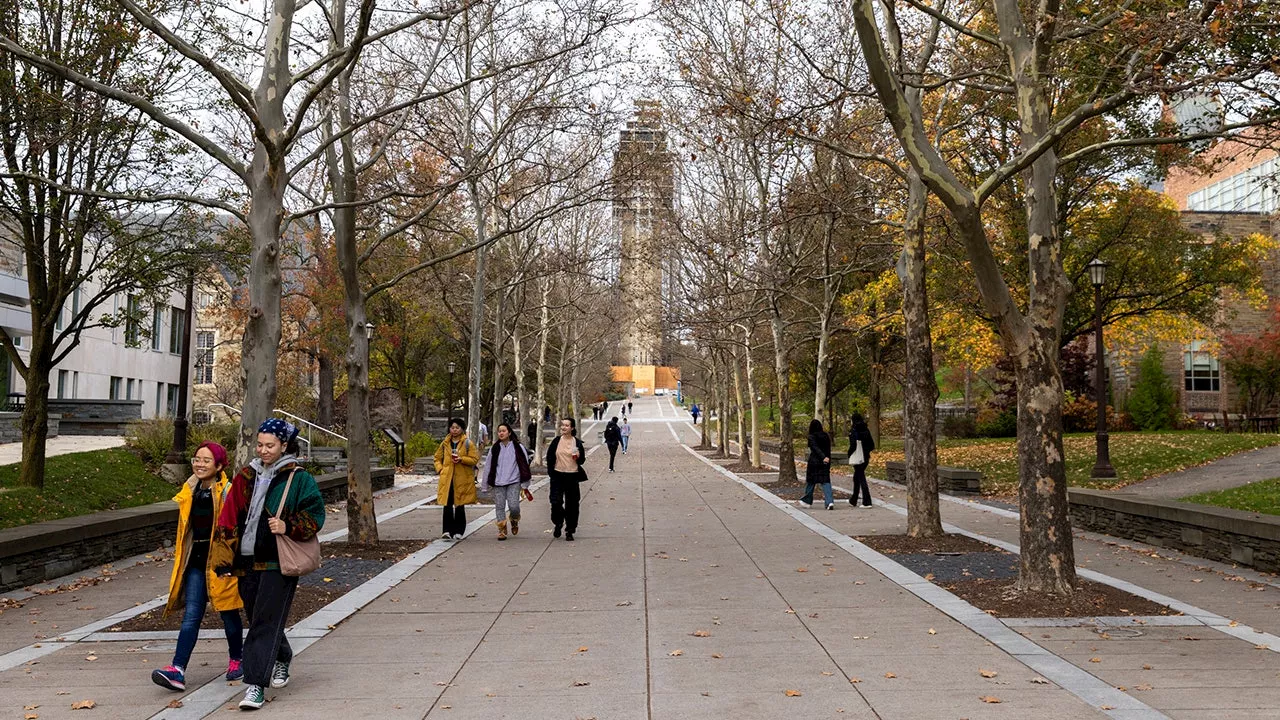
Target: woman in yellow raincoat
pixel 456 460
pixel 194 583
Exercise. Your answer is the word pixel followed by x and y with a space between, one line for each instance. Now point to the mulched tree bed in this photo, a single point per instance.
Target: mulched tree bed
pixel 343 567
pixel 986 577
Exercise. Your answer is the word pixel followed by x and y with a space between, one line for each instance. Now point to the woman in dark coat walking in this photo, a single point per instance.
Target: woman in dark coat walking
pixel 612 439
pixel 860 440
pixel 818 467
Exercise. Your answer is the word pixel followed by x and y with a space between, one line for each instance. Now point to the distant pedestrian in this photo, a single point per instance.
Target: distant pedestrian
pixel 193 582
pixel 694 411
pixel 273 496
pixel 564 460
pixel 456 460
pixel 860 446
pixel 818 466
pixel 612 439
pixel 508 476
pixel 625 431
pixel 631 406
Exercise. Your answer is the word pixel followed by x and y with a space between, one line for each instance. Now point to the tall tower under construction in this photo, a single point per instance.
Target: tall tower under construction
pixel 643 214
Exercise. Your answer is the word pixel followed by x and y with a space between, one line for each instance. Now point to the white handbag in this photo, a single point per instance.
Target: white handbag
pixel 857 457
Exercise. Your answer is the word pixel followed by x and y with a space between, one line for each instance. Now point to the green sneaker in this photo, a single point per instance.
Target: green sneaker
pixel 254 698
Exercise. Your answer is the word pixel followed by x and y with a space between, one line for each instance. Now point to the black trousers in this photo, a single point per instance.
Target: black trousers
pixel 613 451
pixel 267 596
pixel 565 497
pixel 860 485
pixel 455 516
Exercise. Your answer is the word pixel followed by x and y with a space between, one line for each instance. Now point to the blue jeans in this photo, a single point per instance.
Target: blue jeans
pixel 826 492
pixel 195 585
pixel 625 440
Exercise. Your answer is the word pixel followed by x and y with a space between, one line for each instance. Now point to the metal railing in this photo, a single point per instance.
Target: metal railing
pixel 307 425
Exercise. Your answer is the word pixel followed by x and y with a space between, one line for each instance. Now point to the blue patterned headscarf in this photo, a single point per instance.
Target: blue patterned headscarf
pixel 282 429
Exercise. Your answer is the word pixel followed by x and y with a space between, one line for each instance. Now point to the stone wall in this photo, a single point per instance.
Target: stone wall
pixel 1231 536
pixel 40 552
pixel 11 426
pixel 95 417
pixel 951 480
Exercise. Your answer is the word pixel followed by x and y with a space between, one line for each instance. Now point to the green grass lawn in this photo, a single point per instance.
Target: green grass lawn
pixel 1136 456
pixel 80 483
pixel 1262 496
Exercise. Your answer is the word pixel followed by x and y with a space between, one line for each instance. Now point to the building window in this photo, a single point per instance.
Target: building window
pixel 159 399
pixel 204 299
pixel 204 357
pixel 177 329
pixel 132 326
pixel 1250 190
pixel 75 384
pixel 63 379
pixel 157 327
pixel 116 382
pixel 1200 370
pixel 128 393
pixel 171 406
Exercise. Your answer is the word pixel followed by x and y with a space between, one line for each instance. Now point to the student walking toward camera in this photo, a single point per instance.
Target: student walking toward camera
pixel 456 460
pixel 507 478
pixel 860 446
pixel 193 583
pixel 564 465
pixel 625 432
pixel 273 501
pixel 817 469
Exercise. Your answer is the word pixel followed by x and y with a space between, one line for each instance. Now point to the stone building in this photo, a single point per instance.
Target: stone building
pixel 643 213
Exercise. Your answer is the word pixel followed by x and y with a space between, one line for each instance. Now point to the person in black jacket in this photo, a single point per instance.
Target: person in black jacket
pixel 860 438
pixel 817 469
pixel 612 439
pixel 564 464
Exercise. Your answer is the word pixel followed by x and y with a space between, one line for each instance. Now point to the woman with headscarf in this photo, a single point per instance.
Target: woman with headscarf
pixel 817 469
pixel 273 496
pixel 860 440
pixel 508 476
pixel 193 583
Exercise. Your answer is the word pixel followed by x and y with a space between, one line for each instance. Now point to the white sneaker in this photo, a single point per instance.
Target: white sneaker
pixel 831 506
pixel 446 536
pixel 457 536
pixel 807 504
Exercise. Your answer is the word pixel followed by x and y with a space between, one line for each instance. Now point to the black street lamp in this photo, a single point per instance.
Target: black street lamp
pixel 449 410
pixel 1102 466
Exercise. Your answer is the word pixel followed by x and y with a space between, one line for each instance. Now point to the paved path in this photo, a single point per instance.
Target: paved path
pixel 11 453
pixel 689 593
pixel 1231 471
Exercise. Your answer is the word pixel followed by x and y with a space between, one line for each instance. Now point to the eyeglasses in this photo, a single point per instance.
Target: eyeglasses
pixel 202 461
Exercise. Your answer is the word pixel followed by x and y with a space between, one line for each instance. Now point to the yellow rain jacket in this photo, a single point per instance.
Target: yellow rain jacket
pixel 223 591
pixel 462 476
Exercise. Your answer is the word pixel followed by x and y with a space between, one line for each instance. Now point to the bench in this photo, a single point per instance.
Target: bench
pixel 951 480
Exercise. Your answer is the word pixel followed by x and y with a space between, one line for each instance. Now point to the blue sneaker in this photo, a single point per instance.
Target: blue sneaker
pixel 234 669
pixel 171 678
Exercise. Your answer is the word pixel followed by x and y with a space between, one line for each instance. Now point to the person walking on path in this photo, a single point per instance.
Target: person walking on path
pixel 625 432
pixel 456 459
pixel 817 469
pixel 508 476
pixel 193 583
pixel 271 497
pixel 564 465
pixel 612 439
pixel 860 446
pixel 631 407
pixel 694 411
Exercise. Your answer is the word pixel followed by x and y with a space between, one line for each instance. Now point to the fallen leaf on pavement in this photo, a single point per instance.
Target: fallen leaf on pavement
pixel 83 705
pixel 990 699
pixel 827 674
pixel 700 633
pixel 802 569
pixel 582 649
pixel 987 673
pixel 717 656
pixel 1143 686
pixel 1095 659
pixel 932 631
pixel 890 675
pixel 1146 667
pixel 328 579
pixel 91 657
pixel 581 683
pixel 855 680
pixel 794 693
pixel 30 716
pixel 676 653
pixel 175 704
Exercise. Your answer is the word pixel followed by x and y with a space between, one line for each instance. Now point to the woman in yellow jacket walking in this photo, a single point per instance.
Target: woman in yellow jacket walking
pixel 456 460
pixel 194 583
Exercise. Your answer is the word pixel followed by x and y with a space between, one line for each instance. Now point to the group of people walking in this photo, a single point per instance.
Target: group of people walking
pixel 817 470
pixel 228 553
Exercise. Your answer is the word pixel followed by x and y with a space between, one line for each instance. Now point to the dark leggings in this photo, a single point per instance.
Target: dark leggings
pixel 860 485
pixel 455 516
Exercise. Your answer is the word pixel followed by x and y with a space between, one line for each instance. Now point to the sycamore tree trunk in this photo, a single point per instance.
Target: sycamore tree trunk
pixel 475 370
pixel 782 376
pixel 920 390
pixel 522 404
pixel 751 398
pixel 324 382
pixel 540 372
pixel 737 389
pixel 499 376
pixel 575 399
pixel 717 392
pixel 822 378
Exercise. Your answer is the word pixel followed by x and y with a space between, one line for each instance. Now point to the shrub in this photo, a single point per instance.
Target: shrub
pixel 1080 414
pixel 1153 403
pixel 996 423
pixel 959 426
pixel 420 444
pixel 225 433
pixel 151 439
pixel 891 426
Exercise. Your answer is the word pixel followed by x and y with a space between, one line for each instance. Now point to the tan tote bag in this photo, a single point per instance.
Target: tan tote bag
pixel 297 558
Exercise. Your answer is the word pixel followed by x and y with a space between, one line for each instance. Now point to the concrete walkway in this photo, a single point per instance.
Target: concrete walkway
pixel 1231 471
pixel 689 593
pixel 11 453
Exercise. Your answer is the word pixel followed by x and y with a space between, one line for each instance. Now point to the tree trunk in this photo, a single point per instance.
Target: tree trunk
pixel 499 375
pixel 821 376
pixel 35 425
pixel 324 381
pixel 737 389
pixel 751 398
pixel 575 399
pixel 782 375
pixel 717 393
pixel 268 177
pixel 920 391
pixel 517 369
pixel 475 370
pixel 544 332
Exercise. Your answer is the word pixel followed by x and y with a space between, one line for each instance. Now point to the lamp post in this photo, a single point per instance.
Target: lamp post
pixel 1102 466
pixel 448 411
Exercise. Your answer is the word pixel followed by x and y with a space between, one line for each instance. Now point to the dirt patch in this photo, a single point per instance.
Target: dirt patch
pixel 343 567
pixel 986 576
pixel 746 468
pixel 893 544
pixel 1002 599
